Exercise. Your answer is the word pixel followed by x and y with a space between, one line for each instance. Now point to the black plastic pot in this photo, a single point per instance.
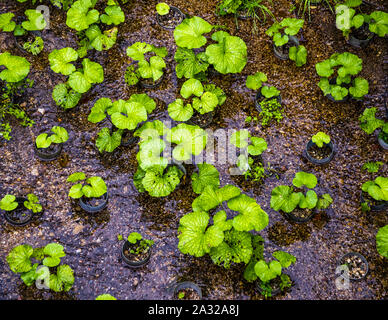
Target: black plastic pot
pixel 47 154
pixel 349 254
pixel 134 264
pixel 179 165
pixel 360 43
pixel 330 97
pixel 25 37
pixel 207 117
pixel 274 292
pixel 383 205
pixel 175 9
pixel 131 140
pixel 186 285
pixel 153 85
pixel 284 56
pixel 298 219
pixel 382 143
pixel 91 209
pixel 13 217
pixel 259 97
pixel 317 161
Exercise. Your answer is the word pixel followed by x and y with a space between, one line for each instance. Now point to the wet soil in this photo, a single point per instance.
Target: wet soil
pixel 136 257
pixel 357 267
pixel 90 241
pixel 319 153
pixel 189 294
pixel 301 213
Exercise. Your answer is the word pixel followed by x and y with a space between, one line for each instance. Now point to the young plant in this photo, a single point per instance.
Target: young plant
pixel 269 271
pixel 8 203
pixel 372 167
pixel 138 244
pixel 189 64
pixel 281 32
pixel 287 198
pixel 189 34
pixel 123 116
pixel 162 8
pixel 320 139
pixel 146 68
pixel 348 20
pixel 93 187
pixel 369 123
pixel 41 265
pixel 376 190
pixel 105 296
pixel 227 241
pixel 338 76
pixel 34 47
pixel 13 81
pixel 59 135
pixel 203 101
pixel 305 5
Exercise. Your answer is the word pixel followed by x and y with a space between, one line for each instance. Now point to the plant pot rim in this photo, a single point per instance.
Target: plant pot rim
pixel 360 43
pixel 154 85
pixel 134 264
pixel 301 220
pixel 95 209
pixel 171 28
pixel 353 253
pixel 382 143
pixel 209 117
pixel 319 161
pixel 187 285
pixel 20 201
pixel 48 156
pixel 331 98
pixel 294 40
pixel 35 33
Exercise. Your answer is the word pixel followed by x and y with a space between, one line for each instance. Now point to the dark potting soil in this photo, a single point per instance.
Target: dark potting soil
pixel 319 153
pixel 20 214
pixel 362 33
pixel 302 213
pixel 201 120
pixel 189 294
pixel 357 267
pixel 284 49
pixel 170 20
pixel 136 257
pixel 94 202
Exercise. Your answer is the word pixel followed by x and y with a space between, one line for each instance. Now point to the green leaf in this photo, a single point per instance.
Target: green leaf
pixel 368 121
pixel 138 49
pixel 299 55
pixel 95 187
pixel 143 99
pixel 382 241
pixel 63 280
pixel 152 69
pixel 292 25
pixel 309 201
pixel 324 202
pixel 321 138
pixel 149 154
pixel 379 23
pixel 269 92
pixel 211 198
pixel 35 21
pixel 6 23
pixel 229 55
pixel 98 111
pixel 162 8
pixel 280 40
pixel 240 138
pixel 30 277
pixel 134 237
pixel 19 258
pixel 189 34
pixel 236 248
pixel 108 142
pixel 255 81
pixel 206 103
pixel 128 115
pixel 251 216
pixel 257 146
pixel 151 130
pixel 55 252
pixel 372 167
pixel 114 15
pixel 81 15
pixel 221 96
pixel 180 112
pixel 208 176
pixel 284 258
pixel 267 272
pixel 360 88
pixel 75 177
pixel 42 141
pixel 60 135
pixel 17 68
pixel 82 81
pixel 191 87
pixel 195 238
pixel 283 198
pixel 305 179
pixel 105 296
pixel 159 184
pixel 64 97
pixel 8 203
pixel 101 40
pixel 188 63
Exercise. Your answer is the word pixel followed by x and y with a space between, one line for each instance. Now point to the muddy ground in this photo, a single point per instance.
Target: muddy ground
pixel 90 242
